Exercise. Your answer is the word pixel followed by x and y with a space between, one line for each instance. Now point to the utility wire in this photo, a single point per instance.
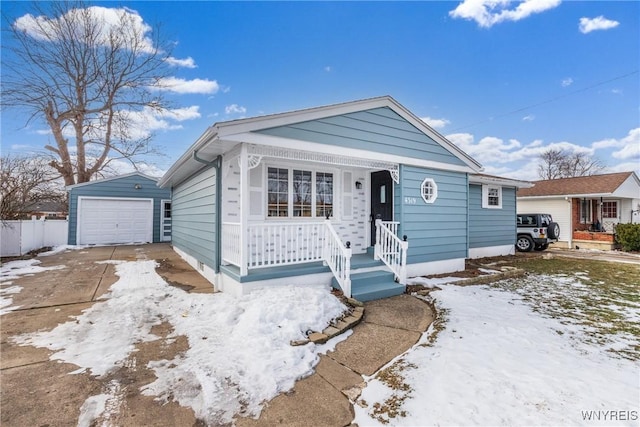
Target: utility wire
pixel 519 110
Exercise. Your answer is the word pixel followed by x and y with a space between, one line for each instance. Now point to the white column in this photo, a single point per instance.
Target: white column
pixel 244 210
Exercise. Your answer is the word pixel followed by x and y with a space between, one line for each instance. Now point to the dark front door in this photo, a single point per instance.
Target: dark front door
pixel 381 200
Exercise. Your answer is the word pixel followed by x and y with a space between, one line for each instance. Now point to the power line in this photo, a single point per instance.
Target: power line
pixel 519 110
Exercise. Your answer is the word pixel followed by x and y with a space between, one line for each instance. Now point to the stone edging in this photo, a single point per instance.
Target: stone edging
pixel 338 326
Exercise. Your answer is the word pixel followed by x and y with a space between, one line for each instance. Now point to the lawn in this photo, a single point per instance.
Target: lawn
pixel 559 346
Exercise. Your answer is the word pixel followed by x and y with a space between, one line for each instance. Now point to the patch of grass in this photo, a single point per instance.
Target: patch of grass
pixel 602 298
pixel 392 376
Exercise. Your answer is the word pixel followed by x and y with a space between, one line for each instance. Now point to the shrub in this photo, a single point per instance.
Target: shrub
pixel 628 235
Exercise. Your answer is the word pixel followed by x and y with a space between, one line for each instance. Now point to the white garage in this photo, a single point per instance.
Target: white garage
pixel 105 221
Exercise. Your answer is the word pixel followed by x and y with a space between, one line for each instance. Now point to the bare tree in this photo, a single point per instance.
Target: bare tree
pixel 556 163
pixel 85 71
pixel 26 179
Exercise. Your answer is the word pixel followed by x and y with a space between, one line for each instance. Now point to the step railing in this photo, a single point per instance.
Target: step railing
pixel 391 250
pixel 338 257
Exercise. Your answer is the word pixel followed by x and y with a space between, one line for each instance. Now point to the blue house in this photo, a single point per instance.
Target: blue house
pixel 123 209
pixel 362 195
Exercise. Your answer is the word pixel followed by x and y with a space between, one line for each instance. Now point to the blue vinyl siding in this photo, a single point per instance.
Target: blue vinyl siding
pixel 380 130
pixel 491 227
pixel 118 188
pixel 436 231
pixel 193 215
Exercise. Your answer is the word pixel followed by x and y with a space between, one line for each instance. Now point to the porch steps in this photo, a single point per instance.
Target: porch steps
pixel 372 285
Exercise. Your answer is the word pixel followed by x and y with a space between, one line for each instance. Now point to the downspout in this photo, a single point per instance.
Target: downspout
pixel 217 164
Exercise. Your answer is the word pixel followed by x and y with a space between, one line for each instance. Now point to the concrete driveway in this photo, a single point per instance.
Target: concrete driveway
pixel 37 391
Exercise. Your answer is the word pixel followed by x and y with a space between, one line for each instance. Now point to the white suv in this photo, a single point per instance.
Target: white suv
pixel 536 231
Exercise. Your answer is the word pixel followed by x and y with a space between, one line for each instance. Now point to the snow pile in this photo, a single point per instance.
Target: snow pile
pixel 239 353
pixel 12 270
pixel 497 362
pixel 432 282
pixel 62 248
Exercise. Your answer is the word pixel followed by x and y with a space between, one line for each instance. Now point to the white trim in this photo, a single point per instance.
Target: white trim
pixel 485 196
pixel 164 238
pixel 491 251
pixel 79 211
pixel 434 190
pixel 112 178
pixel 496 180
pixel 435 267
pixel 314 147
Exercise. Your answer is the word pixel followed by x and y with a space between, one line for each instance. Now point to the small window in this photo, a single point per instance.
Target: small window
pixel 167 210
pixel 491 197
pixel 429 190
pixel 324 194
pixel 610 210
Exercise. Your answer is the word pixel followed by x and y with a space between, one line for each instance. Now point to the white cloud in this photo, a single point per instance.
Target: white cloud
pixel 625 167
pixel 488 150
pixel 121 167
pixel 108 20
pixel 593 24
pixel 529 118
pixel 141 124
pixel 630 146
pixel 186 63
pixel 435 123
pixel 43 132
pixel 489 12
pixel 182 86
pixel 234 109
pixel 566 82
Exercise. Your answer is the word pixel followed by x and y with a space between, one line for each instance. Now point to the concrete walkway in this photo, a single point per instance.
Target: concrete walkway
pixel 38 391
pixel 389 328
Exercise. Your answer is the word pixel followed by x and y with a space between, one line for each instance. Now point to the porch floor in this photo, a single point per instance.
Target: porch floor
pixel 358 261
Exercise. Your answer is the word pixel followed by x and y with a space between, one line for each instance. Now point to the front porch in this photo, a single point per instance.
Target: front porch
pixel 305 252
pixel 594 221
pixel 291 213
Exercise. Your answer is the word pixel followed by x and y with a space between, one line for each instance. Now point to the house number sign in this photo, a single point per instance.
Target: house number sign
pixel 410 200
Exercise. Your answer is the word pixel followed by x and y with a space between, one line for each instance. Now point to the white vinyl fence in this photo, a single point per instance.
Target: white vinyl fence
pixel 19 237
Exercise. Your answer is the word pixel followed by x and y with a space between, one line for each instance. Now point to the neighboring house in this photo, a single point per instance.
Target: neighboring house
pixel 329 194
pixel 48 209
pixel 123 209
pixel 587 208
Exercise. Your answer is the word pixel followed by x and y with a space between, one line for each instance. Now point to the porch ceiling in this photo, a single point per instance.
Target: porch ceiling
pixel 324 158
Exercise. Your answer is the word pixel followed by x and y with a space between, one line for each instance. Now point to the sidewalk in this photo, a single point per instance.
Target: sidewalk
pixel 389 328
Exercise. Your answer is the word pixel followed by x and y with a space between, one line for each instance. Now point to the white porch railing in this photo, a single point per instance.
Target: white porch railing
pixel 284 243
pixel 231 249
pixel 288 243
pixel 391 250
pixel 338 258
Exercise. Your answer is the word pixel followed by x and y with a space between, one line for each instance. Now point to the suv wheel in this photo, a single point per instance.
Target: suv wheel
pixel 524 243
pixel 553 230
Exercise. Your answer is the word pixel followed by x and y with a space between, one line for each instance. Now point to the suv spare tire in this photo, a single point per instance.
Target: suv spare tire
pixel 553 230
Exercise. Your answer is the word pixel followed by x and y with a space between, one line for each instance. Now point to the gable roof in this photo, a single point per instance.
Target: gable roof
pixel 582 185
pixel 111 178
pixel 223 136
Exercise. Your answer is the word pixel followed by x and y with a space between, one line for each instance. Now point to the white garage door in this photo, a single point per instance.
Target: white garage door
pixel 112 221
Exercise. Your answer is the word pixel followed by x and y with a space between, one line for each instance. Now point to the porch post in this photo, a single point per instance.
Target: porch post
pixel 377 248
pixel 244 210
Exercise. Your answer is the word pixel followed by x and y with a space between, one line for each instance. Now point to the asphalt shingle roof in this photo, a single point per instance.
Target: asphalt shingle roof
pixel 594 184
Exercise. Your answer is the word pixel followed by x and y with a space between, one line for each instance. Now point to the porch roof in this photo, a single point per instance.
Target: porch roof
pixel 583 186
pixel 224 136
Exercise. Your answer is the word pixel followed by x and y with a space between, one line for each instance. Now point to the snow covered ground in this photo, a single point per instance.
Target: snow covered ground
pixel 10 271
pixel 239 352
pixel 497 357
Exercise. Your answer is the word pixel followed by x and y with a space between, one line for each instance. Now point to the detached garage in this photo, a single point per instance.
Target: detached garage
pixel 124 209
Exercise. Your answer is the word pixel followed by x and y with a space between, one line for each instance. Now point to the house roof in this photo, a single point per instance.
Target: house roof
pixel 46 206
pixel 582 185
pixel 111 178
pixel 480 178
pixel 223 136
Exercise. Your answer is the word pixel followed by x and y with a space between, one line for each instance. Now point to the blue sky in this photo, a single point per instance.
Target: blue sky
pixel 504 83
